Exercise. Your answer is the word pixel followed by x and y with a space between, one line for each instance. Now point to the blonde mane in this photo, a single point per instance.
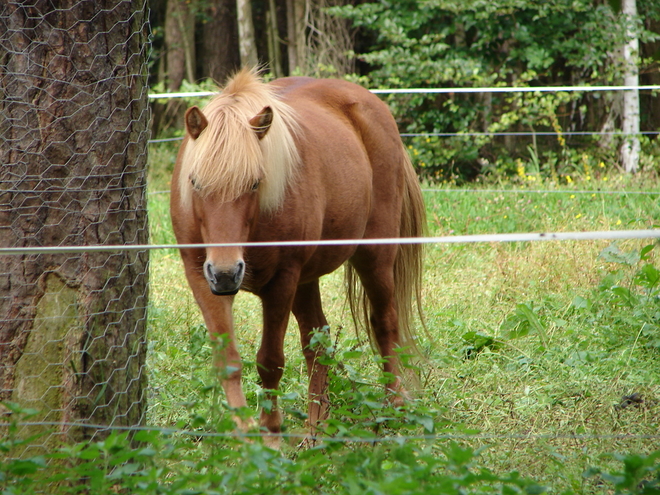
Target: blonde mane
pixel 228 158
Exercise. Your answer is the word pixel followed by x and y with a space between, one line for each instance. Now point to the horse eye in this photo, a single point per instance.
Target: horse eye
pixel 193 182
pixel 255 186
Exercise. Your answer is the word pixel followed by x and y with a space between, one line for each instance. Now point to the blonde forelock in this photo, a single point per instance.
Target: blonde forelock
pixel 228 158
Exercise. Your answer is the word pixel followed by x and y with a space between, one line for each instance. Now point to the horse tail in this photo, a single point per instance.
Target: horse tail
pixel 408 266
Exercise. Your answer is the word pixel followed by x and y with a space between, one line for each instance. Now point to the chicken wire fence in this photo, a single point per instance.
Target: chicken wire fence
pixel 74 131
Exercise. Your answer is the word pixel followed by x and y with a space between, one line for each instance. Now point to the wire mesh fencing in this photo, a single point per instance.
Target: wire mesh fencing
pixel 74 129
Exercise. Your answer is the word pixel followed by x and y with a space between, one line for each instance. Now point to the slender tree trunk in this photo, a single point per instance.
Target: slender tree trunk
pixel 292 56
pixel 72 325
pixel 630 147
pixel 296 11
pixel 650 103
pixel 274 40
pixel 300 12
pixel 180 61
pixel 292 52
pixel 247 44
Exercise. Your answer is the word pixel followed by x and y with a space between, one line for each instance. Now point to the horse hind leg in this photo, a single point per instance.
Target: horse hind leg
pixel 307 309
pixel 375 268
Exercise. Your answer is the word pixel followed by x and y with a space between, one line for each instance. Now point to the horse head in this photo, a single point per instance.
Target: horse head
pixel 223 219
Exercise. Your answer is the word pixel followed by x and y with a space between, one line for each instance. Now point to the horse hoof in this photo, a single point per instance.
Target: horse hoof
pixel 273 440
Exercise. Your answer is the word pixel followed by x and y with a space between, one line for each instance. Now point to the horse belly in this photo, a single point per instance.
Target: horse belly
pixel 345 218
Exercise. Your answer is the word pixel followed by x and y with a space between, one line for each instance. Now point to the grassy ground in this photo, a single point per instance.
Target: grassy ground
pixel 539 370
pixel 549 350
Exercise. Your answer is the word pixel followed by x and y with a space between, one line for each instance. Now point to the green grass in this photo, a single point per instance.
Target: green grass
pixel 540 365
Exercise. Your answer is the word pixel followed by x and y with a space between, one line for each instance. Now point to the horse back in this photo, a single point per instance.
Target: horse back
pixel 351 134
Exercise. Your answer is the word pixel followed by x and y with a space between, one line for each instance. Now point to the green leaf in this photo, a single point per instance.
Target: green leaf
pixel 27 466
pixel 581 303
pixel 643 253
pixel 626 296
pixel 90 453
pixel 612 254
pixel 648 276
pixel 522 322
pixel 427 422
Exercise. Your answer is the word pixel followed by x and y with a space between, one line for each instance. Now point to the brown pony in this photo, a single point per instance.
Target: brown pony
pixel 297 159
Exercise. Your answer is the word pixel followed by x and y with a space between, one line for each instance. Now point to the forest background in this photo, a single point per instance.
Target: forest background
pixel 442 44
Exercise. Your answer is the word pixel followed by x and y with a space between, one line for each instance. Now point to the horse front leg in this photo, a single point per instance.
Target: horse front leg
pixel 308 311
pixel 217 313
pixel 277 299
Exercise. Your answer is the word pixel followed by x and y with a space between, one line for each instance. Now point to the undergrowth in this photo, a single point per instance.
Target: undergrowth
pixel 367 446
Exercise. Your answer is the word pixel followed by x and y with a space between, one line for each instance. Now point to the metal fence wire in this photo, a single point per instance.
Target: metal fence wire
pixel 74 131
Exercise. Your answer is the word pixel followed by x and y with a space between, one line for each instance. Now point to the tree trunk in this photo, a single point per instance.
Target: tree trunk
pixel 273 40
pixel 179 62
pixel 292 53
pixel 219 56
pixel 630 147
pixel 649 102
pixel 180 43
pixel 75 117
pixel 247 43
pixel 296 26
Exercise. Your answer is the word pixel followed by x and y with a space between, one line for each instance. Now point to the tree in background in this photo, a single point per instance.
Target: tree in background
pixel 246 40
pixel 630 117
pixel 199 39
pixel 217 51
pixel 445 43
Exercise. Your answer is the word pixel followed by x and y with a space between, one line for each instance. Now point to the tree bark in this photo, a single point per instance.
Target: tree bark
pixel 247 43
pixel 292 52
pixel 179 62
pixel 75 117
pixel 296 38
pixel 630 147
pixel 650 103
pixel 219 56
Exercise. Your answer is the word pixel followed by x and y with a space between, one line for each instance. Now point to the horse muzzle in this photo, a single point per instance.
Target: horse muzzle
pixel 224 281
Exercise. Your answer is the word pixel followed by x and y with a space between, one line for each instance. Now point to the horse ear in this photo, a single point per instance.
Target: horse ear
pixel 261 122
pixel 195 122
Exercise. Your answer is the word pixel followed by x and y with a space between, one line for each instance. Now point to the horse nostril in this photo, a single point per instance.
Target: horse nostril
pixel 209 272
pixel 240 269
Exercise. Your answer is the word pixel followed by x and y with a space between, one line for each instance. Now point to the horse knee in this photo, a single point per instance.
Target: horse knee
pixel 270 368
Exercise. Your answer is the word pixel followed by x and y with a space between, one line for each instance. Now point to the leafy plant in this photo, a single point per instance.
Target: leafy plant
pixel 523 322
pixel 640 474
pixel 16 472
pixel 636 288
